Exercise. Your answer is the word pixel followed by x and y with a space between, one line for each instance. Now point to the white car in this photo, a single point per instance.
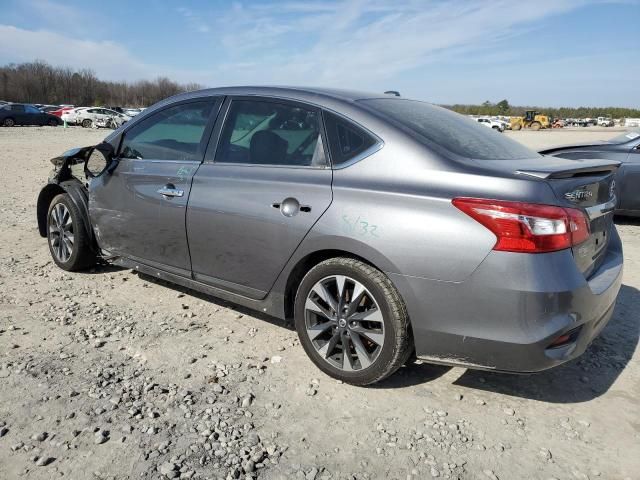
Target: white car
pixel 493 124
pixel 87 116
pixel 605 122
pixel 70 116
pixel 132 112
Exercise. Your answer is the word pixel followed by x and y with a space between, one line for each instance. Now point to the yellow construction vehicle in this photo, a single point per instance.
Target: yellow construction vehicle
pixel 532 119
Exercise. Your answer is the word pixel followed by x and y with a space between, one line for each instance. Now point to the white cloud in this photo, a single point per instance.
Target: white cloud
pixel 349 40
pixel 371 44
pixel 108 59
pixel 194 20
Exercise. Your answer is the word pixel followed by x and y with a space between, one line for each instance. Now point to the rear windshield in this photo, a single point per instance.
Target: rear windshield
pixel 449 130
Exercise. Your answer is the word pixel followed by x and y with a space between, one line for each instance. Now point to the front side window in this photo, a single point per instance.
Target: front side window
pixel 17 108
pixel 270 133
pixel 174 133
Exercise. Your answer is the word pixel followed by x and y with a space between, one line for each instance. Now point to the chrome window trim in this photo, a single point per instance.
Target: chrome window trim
pixel 361 156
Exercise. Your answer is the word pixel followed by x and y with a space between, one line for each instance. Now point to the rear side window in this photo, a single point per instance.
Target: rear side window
pixel 174 133
pixel 271 133
pixel 346 140
pixel 449 130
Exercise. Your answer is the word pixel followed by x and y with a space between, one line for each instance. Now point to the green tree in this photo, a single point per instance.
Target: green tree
pixel 503 107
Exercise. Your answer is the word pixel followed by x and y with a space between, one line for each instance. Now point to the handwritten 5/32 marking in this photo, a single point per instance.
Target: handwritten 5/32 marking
pixel 360 226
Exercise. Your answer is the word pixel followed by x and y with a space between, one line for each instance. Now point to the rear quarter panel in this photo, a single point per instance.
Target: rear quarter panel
pixel 397 202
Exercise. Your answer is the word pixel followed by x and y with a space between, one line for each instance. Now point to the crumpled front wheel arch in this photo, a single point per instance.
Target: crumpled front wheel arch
pixel 44 200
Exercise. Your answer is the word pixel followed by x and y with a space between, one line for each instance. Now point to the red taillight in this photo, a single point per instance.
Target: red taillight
pixel 527 227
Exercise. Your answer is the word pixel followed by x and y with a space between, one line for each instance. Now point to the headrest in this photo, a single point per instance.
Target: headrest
pixel 267 148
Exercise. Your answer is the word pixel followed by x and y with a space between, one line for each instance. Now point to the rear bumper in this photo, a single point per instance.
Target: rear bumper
pixel 510 310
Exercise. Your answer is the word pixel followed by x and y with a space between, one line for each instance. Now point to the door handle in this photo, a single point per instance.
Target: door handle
pixel 170 191
pixel 290 207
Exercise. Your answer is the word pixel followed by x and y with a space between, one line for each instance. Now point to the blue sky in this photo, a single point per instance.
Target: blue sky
pixel 545 52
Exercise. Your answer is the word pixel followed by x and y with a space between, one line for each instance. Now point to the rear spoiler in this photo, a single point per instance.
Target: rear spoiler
pixel 590 167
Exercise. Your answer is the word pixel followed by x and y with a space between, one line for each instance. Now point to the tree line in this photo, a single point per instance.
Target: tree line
pixel 39 82
pixel 503 108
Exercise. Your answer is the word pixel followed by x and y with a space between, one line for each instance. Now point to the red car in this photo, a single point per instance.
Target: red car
pixel 60 111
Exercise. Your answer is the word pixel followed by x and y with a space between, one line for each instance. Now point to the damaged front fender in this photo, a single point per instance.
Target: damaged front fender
pixel 70 165
pixel 68 176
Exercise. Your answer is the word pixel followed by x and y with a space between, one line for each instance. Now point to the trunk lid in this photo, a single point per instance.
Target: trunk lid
pixel 588 185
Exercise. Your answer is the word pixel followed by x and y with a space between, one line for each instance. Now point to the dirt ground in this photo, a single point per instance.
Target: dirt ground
pixel 111 375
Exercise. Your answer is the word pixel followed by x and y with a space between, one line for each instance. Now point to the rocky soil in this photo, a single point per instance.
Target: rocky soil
pixel 109 374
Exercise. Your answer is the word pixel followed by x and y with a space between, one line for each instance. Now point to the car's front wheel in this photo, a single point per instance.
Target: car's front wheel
pixel 8 122
pixel 352 321
pixel 69 242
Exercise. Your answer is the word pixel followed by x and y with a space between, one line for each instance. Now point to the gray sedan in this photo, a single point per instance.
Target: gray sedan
pixel 382 226
pixel 624 148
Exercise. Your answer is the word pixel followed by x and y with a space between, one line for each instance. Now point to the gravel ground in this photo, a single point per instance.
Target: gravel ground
pixel 111 375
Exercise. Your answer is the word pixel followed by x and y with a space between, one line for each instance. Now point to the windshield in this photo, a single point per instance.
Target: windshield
pixel 449 130
pixel 625 137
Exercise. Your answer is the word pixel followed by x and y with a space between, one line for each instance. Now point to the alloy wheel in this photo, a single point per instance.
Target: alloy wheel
pixel 344 323
pixel 61 233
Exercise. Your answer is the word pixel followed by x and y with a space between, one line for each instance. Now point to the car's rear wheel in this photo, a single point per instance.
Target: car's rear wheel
pixel 86 123
pixel 69 242
pixel 52 123
pixel 8 122
pixel 536 126
pixel 352 322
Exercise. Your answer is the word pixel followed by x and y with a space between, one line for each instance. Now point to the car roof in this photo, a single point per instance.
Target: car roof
pixel 314 94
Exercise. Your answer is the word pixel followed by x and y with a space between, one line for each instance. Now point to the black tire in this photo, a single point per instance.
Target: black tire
pixel 82 253
pixel 52 123
pixel 8 122
pixel 86 123
pixel 398 340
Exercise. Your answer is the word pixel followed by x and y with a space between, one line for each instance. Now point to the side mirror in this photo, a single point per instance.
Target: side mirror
pixel 99 160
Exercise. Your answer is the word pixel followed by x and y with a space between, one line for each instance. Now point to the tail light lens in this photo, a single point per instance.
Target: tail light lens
pixel 527 227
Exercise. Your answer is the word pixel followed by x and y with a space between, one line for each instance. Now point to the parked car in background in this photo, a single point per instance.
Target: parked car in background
pixel 132 112
pixel 381 225
pixel 115 108
pixel 87 116
pixel 605 122
pixel 60 111
pixel 489 123
pixel 624 148
pixel 107 122
pixel 70 116
pixel 25 114
pixel 48 108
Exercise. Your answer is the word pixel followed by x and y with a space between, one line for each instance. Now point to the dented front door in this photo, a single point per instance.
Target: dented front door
pixel 138 210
